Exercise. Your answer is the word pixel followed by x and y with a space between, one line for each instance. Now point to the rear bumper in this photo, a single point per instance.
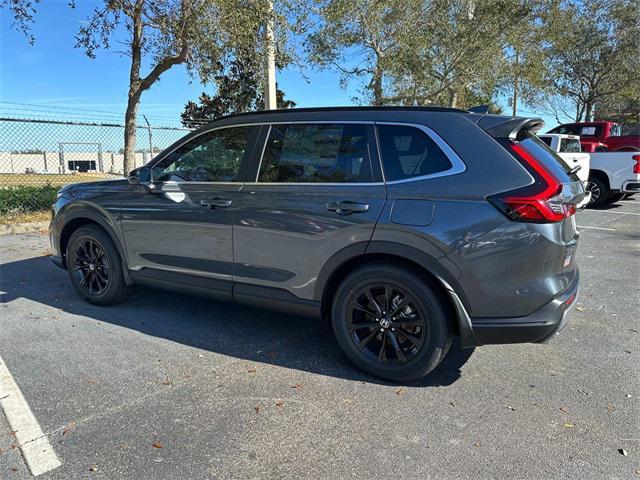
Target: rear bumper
pixel 540 326
pixel 632 186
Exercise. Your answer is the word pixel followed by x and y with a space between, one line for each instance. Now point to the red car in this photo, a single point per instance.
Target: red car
pixel 600 136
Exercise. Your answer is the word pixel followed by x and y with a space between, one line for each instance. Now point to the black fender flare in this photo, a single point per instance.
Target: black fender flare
pixel 86 211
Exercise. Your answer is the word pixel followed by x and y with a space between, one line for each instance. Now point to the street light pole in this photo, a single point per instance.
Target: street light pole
pixel 270 101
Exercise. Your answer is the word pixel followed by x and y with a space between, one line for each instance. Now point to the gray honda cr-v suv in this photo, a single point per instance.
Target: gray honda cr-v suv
pixel 400 226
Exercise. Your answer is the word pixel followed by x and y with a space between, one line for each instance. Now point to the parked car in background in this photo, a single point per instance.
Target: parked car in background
pixel 600 136
pixel 568 148
pixel 613 176
pixel 400 226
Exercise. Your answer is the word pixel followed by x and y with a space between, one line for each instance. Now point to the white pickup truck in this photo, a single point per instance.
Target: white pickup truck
pixel 568 148
pixel 611 175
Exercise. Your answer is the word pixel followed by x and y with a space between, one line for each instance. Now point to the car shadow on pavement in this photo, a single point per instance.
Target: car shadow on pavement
pixel 242 332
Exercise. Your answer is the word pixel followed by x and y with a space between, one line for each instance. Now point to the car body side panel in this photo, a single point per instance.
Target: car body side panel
pixel 284 235
pixel 98 202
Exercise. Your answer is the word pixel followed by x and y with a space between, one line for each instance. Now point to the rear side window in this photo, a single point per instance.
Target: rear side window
pixel 544 154
pixel 569 145
pixel 546 140
pixel 409 152
pixel 590 131
pixel 316 153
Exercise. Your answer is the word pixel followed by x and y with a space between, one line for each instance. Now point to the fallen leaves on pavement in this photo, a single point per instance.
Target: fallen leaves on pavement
pixel 69 428
pixel 157 445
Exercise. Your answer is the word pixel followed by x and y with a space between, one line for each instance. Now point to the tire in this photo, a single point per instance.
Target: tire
pixel 599 191
pixel 616 197
pixel 95 267
pixel 371 347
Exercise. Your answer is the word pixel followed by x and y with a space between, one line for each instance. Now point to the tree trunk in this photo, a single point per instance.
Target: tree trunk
pixel 130 121
pixel 376 86
pixel 453 98
pixel 588 112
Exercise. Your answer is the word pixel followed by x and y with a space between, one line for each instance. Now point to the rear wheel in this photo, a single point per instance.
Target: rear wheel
pixel 599 191
pixel 95 267
pixel 390 322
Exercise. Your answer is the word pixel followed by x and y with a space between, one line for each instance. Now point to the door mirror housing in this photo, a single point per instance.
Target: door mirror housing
pixel 140 176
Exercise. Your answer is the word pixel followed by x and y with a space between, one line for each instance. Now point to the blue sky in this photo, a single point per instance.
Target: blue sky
pixel 52 72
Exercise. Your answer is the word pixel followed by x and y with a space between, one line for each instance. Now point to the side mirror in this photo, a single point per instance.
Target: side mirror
pixel 140 176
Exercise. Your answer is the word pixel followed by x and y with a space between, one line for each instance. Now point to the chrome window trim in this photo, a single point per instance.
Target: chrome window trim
pixel 457 165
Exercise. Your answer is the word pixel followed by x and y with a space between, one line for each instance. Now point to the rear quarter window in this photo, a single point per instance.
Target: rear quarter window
pixel 543 153
pixel 409 152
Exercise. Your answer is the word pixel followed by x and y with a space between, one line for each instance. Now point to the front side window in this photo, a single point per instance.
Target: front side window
pixel 316 153
pixel 211 157
pixel 409 152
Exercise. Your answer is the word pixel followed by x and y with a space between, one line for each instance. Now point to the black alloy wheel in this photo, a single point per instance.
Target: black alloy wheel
pixel 386 323
pixel 391 322
pixel 91 267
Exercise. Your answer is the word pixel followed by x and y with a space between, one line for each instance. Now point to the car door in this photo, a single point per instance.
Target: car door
pixel 180 230
pixel 318 190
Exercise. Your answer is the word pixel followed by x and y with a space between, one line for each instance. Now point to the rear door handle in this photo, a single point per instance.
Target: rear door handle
pixel 347 207
pixel 216 202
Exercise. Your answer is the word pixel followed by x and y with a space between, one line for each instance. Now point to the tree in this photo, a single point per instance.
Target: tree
pixel 420 52
pixel 592 55
pixel 524 72
pixel 238 90
pixel 361 39
pixel 161 34
pixel 166 33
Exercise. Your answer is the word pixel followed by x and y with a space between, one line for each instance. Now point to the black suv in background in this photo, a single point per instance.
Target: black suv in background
pixel 400 226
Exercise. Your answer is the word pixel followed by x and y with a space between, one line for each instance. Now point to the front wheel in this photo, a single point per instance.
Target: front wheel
pixel 390 322
pixel 95 267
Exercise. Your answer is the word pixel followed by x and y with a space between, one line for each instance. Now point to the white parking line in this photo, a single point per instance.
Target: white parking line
pixel 598 228
pixel 614 212
pixel 36 449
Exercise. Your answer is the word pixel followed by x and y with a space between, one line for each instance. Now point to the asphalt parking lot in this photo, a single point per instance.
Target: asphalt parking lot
pixel 166 386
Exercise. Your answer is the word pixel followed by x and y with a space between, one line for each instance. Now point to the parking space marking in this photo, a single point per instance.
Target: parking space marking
pixel 615 212
pixel 34 445
pixel 598 228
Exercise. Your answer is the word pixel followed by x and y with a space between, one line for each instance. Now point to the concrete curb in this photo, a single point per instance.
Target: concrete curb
pixel 18 228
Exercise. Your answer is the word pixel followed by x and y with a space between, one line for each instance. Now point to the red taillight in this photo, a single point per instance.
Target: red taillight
pixel 534 203
pixel 636 167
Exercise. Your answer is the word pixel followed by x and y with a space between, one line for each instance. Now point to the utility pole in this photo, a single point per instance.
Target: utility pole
pixel 515 85
pixel 270 101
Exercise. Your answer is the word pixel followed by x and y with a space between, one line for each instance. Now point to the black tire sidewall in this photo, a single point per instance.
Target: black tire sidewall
pixel 438 330
pixel 117 285
pixel 604 192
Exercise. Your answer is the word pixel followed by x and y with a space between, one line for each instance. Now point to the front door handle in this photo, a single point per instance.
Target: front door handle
pixel 217 202
pixel 347 207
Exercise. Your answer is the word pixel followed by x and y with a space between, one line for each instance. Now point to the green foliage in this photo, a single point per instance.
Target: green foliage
pixel 238 90
pixel 592 54
pixel 25 199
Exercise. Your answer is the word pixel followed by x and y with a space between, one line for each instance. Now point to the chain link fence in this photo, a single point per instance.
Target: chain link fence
pixel 38 156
